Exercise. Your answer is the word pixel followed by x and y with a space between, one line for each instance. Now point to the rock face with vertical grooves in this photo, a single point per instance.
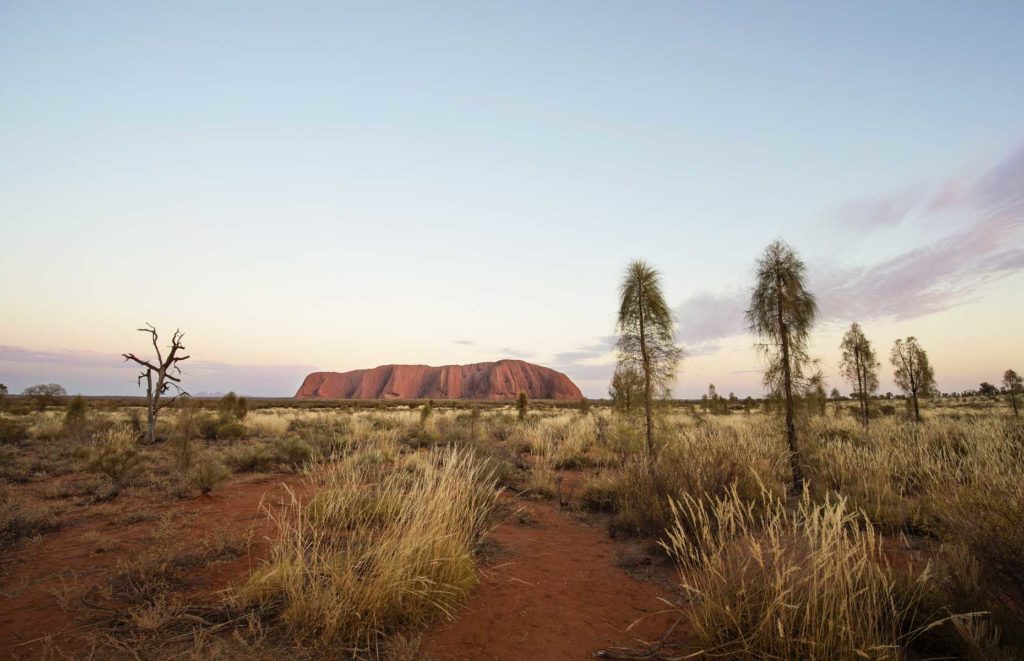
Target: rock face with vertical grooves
pixel 501 380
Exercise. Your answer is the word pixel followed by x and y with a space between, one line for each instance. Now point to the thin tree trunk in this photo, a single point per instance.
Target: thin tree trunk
pixel 647 378
pixel 1013 400
pixel 917 409
pixel 150 411
pixel 787 387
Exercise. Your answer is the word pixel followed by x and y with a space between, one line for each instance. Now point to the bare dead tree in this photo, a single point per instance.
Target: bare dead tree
pixel 166 373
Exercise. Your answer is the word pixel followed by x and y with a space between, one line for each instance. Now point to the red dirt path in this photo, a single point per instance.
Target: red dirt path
pixel 556 591
pixel 67 559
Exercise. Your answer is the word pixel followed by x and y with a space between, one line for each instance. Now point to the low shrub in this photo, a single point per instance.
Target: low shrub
pixel 13 431
pixel 249 458
pixel 230 431
pixel 293 451
pixel 208 473
pixel 208 427
pixel 116 455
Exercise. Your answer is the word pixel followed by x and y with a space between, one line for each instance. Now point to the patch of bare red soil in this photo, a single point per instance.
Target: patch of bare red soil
pixel 37 578
pixel 556 589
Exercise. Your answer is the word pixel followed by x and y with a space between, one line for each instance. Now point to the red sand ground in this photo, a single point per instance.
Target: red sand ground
pixel 67 562
pixel 556 590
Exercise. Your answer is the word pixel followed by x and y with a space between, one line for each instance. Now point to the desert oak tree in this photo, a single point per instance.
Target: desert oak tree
pixel 912 372
pixel 859 367
pixel 782 313
pixel 160 375
pixel 646 338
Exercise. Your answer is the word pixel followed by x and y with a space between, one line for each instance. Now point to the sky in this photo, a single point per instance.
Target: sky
pixel 331 186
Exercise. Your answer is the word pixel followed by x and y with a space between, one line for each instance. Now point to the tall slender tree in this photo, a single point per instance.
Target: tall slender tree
pixel 912 372
pixel 859 367
pixel 646 330
pixel 782 313
pixel 1013 384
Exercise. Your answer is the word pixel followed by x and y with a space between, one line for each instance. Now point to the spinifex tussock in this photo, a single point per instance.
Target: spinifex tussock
pixel 375 549
pixel 804 583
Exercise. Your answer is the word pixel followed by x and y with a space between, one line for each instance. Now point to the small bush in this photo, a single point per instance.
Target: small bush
pixel 231 431
pixel 75 418
pixel 599 495
pixel 293 451
pixel 249 458
pixel 208 474
pixel 208 426
pixel 116 455
pixel 13 431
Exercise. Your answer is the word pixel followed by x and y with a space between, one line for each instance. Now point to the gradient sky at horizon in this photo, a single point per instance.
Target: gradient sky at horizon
pixel 337 186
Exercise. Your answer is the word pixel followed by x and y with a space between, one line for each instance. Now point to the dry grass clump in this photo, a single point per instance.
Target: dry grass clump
pixel 46 426
pixel 706 458
pixel 116 454
pixel 20 520
pixel 375 550
pixel 806 583
pixel 269 425
pixel 208 473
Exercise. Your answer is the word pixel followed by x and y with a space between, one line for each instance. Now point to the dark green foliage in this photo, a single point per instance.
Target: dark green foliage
pixel 13 431
pixel 233 407
pixel 522 406
pixel 426 411
pixel 75 418
pixel 250 458
pixel 230 431
pixel 293 451
pixel 208 427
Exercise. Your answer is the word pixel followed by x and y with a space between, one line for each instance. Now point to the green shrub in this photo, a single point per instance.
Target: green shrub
pixel 116 455
pixel 207 427
pixel 522 406
pixel 293 451
pixel 231 431
pixel 75 418
pixel 13 431
pixel 599 495
pixel 233 407
pixel 249 458
pixel 208 474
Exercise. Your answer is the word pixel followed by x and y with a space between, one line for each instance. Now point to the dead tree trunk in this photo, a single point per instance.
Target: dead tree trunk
pixel 167 374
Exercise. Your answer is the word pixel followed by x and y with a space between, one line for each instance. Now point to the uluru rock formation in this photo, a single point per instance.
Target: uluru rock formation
pixel 501 380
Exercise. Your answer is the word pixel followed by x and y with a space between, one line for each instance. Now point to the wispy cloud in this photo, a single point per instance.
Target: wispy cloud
pixel 589 365
pixel 95 372
pixel 943 273
pixel 510 352
pixel 464 342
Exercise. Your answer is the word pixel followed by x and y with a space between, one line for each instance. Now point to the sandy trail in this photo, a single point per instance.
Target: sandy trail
pixel 555 590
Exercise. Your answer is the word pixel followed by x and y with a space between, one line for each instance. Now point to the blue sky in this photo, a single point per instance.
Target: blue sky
pixel 335 186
